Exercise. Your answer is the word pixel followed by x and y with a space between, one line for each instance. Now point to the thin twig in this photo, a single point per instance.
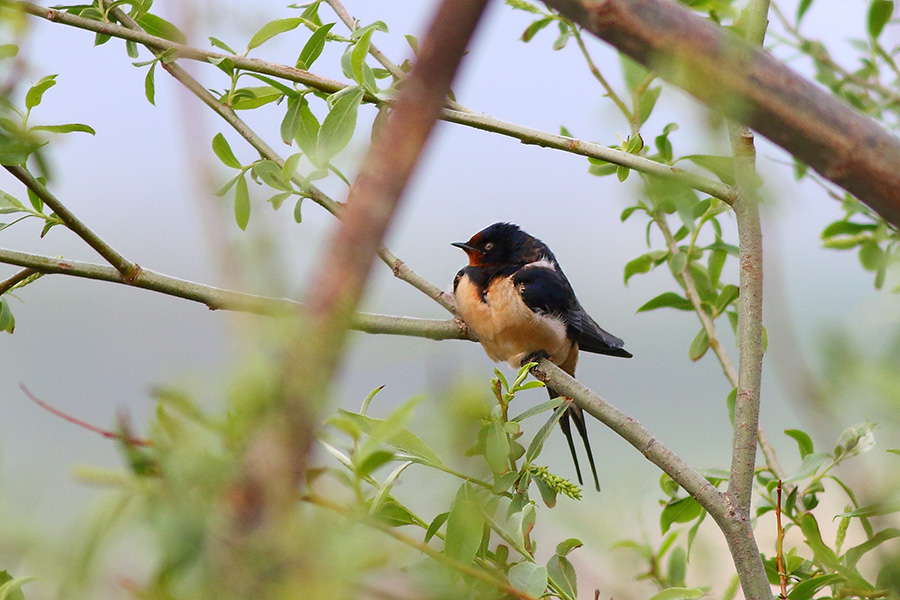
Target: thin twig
pixel 610 92
pixel 124 266
pixel 690 291
pixel 67 417
pixel 779 547
pixel 11 282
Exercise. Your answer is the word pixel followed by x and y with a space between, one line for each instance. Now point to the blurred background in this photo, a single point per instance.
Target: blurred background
pixel 145 183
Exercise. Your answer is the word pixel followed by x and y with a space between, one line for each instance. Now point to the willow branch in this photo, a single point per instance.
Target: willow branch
pixel 748 85
pixel 11 282
pixel 216 298
pixel 397 266
pixel 747 559
pixel 127 268
pixel 454 113
pixel 706 321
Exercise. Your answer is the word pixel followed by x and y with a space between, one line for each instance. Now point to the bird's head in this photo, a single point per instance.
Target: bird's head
pixel 503 244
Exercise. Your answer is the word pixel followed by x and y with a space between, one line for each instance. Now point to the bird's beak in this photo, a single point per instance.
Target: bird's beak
pixel 475 255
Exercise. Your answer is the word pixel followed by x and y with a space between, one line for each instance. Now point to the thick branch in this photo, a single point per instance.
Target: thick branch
pixel 221 299
pixel 454 113
pixel 748 85
pixel 127 268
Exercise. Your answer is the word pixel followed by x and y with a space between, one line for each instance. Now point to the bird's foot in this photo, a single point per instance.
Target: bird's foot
pixel 535 357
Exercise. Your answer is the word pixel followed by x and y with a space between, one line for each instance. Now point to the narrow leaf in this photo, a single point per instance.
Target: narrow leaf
pixel 338 126
pixel 35 94
pixel 271 29
pixel 313 47
pixel 242 203
pixel 464 526
pixel 223 151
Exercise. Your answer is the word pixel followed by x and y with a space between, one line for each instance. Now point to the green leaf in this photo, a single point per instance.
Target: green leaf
pixel 634 72
pixel 464 526
pixel 523 5
pixel 565 547
pixel 338 126
pixel 358 56
pixel 271 174
pixel 253 97
pixel 435 525
pixel 667 300
pixel 872 257
pixel 677 566
pixel 682 510
pixel 223 151
pixel 278 199
pixel 372 461
pixel 641 264
pixel 242 203
pixel 35 94
pixel 8 51
pixel 10 204
pixel 298 218
pixel 529 578
pixel 847 228
pixel 150 84
pixel 291 122
pixel 802 8
pixel 728 295
pixel 401 439
pixel 216 42
pixel 66 128
pixel 872 510
pixel 806 589
pixel 536 26
pixel 721 166
pixel 159 27
pixel 804 442
pixel 561 572
pixel 35 200
pixel 271 29
pixel 535 410
pixel 716 263
pixel 811 463
pixel 647 102
pixel 564 34
pixel 497 448
pixel 10 587
pixel 810 529
pixel 307 132
pixel 880 12
pixel 699 345
pixel 313 47
pixel 7 321
pixel 537 443
pixel 852 556
pixel 678 593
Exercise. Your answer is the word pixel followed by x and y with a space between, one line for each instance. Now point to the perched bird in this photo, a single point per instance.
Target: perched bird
pixel 517 300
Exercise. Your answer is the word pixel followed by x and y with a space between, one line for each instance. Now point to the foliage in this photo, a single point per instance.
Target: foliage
pixel 479 543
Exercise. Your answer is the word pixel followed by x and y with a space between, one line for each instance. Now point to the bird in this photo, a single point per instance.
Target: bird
pixel 516 299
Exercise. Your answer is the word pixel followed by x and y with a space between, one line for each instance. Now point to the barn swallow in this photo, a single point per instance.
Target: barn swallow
pixel 515 297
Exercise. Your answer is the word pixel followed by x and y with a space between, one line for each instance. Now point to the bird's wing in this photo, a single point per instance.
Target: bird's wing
pixel 546 290
pixel 593 338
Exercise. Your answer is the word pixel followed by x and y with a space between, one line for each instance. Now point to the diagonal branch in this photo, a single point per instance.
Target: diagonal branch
pixel 753 88
pixel 398 267
pixel 128 269
pixel 216 298
pixel 453 113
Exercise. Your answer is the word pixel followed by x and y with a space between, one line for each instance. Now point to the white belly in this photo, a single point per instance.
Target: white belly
pixel 507 328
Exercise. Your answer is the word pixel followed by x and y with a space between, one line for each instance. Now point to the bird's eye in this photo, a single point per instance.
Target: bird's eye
pixel 489 246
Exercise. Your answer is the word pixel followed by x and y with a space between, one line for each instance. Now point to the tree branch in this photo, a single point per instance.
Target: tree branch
pixel 221 299
pixel 454 113
pixel 738 532
pixel 127 268
pixel 746 84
